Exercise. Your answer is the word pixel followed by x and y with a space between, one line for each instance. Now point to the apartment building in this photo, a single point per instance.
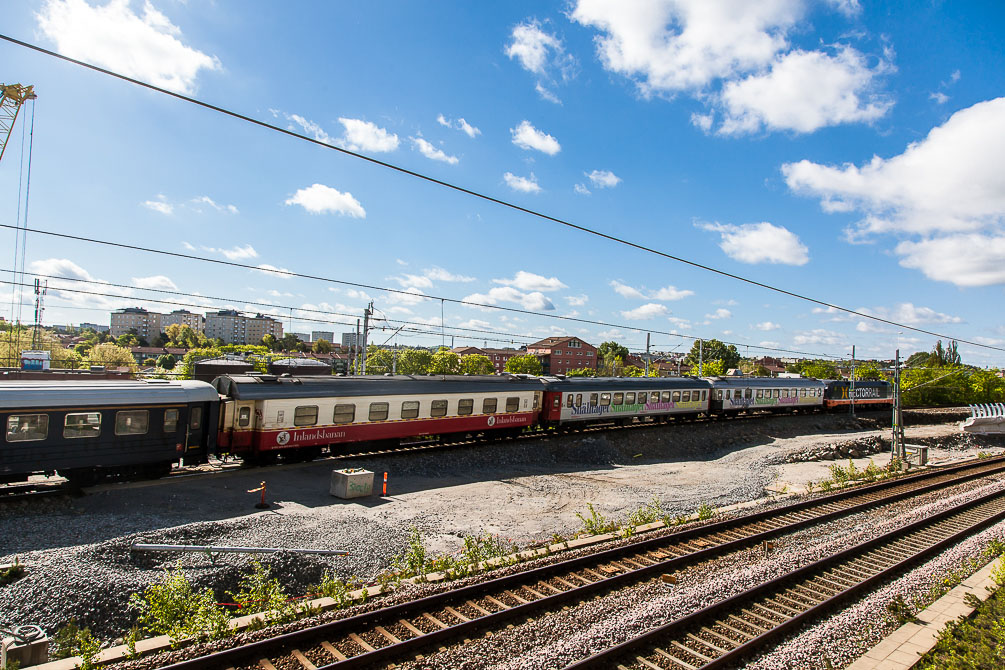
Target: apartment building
pixel 234 328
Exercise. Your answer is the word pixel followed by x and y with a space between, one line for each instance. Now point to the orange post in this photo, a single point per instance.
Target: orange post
pixel 385 485
pixel 262 504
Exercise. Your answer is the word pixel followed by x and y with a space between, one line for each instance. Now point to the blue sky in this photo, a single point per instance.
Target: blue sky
pixel 849 151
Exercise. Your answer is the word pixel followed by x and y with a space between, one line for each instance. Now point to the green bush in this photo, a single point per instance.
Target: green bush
pixel 258 591
pixel 174 608
pixel 72 640
pixel 705 511
pixel 596 523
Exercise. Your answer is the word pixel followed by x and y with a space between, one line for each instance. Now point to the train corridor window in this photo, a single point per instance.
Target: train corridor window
pixel 760 393
pixel 489 405
pixel 568 400
pixel 729 393
pixel 132 422
pixel 83 424
pixel 619 398
pixel 785 393
pixel 537 399
pixel 344 414
pixel 748 393
pixel 438 408
pixel 666 396
pixel 465 406
pixel 777 393
pixel 594 398
pixel 643 398
pixel 513 404
pixel 676 396
pixel 704 395
pixel 305 415
pixel 685 396
pixel 605 399
pixel 629 398
pixel 378 411
pixel 170 420
pixel 410 409
pixel 195 418
pixel 27 427
pixel 579 399
pixel 244 417
pixel 802 393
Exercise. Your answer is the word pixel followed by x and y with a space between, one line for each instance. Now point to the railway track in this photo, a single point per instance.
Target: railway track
pixel 723 634
pixel 406 629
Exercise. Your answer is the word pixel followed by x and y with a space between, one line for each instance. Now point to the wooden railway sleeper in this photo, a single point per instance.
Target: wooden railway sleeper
pixel 691 651
pixel 788 598
pixel 768 613
pixel 744 635
pixel 744 622
pixel 766 620
pixel 782 606
pixel 719 636
pixel 653 666
pixel 697 640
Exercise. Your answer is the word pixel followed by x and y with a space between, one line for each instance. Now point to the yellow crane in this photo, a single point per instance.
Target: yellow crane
pixel 12 96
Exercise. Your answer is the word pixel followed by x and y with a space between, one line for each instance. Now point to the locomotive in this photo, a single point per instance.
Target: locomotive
pixel 90 430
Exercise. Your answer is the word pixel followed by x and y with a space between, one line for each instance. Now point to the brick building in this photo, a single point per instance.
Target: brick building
pixel 558 355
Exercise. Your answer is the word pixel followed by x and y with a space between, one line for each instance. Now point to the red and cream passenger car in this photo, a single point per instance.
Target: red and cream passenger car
pixel 263 416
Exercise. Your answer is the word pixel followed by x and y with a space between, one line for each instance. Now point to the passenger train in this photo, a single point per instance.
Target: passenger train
pixel 90 430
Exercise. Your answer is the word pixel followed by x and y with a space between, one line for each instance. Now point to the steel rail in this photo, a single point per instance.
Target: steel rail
pixel 909 486
pixel 995 502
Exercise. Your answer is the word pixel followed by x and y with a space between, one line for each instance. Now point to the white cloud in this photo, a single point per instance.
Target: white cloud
pixel 581 189
pixel 279 294
pixel 534 300
pixel 735 57
pixel 459 124
pixel 206 200
pixel 818 336
pixel 769 344
pixel 843 89
pixel 273 271
pixel 425 280
pixel 113 36
pixel 644 312
pixel 526 136
pixel 476 324
pixel 366 136
pixel 311 128
pixel 237 253
pixel 64 267
pixel 767 325
pixel 523 184
pixel 439 274
pixel 906 312
pixel 577 300
pixel 759 243
pixel 939 97
pixel 159 205
pixel 321 199
pixel 528 281
pixel 547 93
pixel 626 291
pixel 532 47
pixel 431 152
pixel 603 179
pixel 721 313
pixel 156 281
pixel 670 293
pixel 947 189
pixel 410 296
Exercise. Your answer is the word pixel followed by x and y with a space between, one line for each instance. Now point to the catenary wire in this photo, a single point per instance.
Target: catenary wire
pixel 479 195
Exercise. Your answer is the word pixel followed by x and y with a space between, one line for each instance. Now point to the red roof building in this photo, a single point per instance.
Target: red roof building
pixel 558 355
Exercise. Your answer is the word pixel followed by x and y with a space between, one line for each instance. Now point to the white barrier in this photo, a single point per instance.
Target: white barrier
pixel 985 419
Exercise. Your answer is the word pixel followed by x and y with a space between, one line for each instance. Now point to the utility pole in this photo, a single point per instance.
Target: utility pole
pixel 366 327
pixel 700 358
pixel 355 349
pixel 897 443
pixel 851 389
pixel 647 354
pixel 40 291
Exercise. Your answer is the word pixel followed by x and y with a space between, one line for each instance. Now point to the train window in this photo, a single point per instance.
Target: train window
pixel 619 398
pixel 748 393
pixel 489 405
pixel 537 399
pixel 643 398
pixel 465 406
pixel 594 398
pixel 704 395
pixel 83 424
pixel 760 393
pixel 512 404
pixel 378 411
pixel 777 393
pixel 132 422
pixel 195 418
pixel 718 394
pixel 27 427
pixel 244 417
pixel 305 415
pixel 676 396
pixel 438 408
pixel 409 409
pixel 579 399
pixel 569 400
pixel 685 396
pixel 666 396
pixel 170 420
pixel 802 393
pixel 785 393
pixel 629 398
pixel 729 393
pixel 605 399
pixel 793 393
pixel 344 413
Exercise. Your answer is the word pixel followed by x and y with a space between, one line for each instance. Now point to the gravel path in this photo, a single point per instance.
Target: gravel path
pixel 77 550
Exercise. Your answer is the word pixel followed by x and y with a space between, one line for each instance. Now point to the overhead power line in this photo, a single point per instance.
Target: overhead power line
pixel 482 196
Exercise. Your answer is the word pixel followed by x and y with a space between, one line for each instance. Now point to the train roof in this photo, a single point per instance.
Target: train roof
pixel 579 384
pixel 765 382
pixel 258 387
pixel 44 393
pixel 858 382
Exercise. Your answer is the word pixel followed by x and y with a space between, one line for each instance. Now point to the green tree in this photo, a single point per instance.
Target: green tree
pixel 445 362
pixel 111 355
pixel 82 349
pixel 609 353
pixel 167 361
pixel 16 340
pixel 160 341
pixel 581 372
pixel 918 359
pixel 271 343
pixel 476 364
pixel 322 347
pixel 633 371
pixel 526 364
pixel 714 368
pixel 867 370
pixel 414 361
pixel 944 356
pixel 760 371
pixel 378 361
pixel 128 340
pixel 713 350
pixel 290 342
pixel 185 337
pixel 819 370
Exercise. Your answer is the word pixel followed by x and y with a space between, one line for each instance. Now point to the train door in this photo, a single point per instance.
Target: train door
pixel 196 428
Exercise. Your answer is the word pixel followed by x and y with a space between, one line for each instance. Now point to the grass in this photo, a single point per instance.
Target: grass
pixel 842 476
pixel 11 574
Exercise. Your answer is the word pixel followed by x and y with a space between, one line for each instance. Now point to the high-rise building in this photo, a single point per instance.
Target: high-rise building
pixel 183 317
pixel 322 335
pixel 234 328
pixel 349 339
pixel 146 324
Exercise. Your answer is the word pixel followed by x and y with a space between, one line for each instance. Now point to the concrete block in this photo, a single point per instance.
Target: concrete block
pixel 31 653
pixel 353 483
